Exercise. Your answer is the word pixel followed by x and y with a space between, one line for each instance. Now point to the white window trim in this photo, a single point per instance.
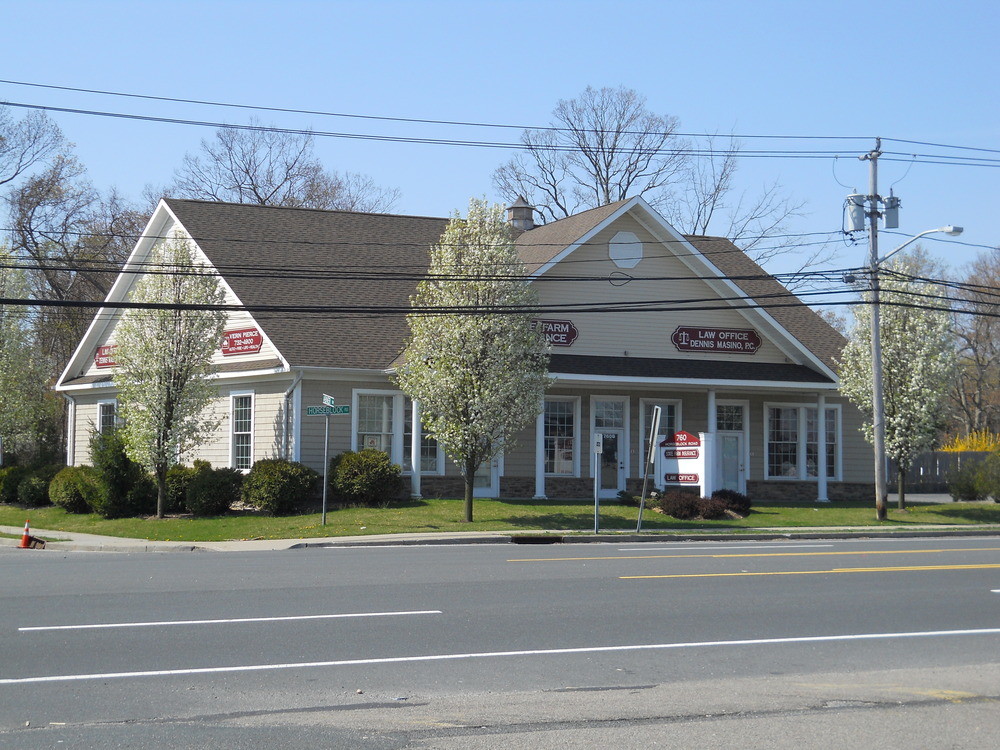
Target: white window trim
pixel 232 424
pixel 644 428
pixel 102 402
pixel 803 434
pixel 398 423
pixel 576 401
pixel 626 445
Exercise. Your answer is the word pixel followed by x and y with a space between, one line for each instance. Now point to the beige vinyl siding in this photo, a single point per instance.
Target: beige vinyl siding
pixel 86 422
pixel 640 334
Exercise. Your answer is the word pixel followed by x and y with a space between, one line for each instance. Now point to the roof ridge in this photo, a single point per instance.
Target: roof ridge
pixel 302 208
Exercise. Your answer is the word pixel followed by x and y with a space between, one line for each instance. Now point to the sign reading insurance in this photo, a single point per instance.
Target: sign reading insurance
pixel 242 341
pixel 716 340
pixel 557 332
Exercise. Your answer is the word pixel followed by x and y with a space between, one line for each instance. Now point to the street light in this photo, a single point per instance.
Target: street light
pixel 878 401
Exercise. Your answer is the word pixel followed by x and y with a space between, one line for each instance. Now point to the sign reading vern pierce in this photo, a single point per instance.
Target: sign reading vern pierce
pixel 557 332
pixel 716 340
pixel 242 341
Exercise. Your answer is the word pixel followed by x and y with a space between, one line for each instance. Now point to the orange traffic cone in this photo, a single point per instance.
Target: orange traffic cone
pixel 26 538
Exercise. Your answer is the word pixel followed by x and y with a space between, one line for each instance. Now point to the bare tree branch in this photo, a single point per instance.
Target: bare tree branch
pixel 273 169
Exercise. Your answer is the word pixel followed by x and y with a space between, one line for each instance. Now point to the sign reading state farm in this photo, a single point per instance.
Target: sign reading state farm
pixel 242 341
pixel 716 340
pixel 557 332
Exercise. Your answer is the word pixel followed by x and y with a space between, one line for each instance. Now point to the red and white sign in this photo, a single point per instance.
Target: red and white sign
pixel 716 340
pixel 669 478
pixel 681 439
pixel 681 453
pixel 242 341
pixel 105 356
pixel 558 332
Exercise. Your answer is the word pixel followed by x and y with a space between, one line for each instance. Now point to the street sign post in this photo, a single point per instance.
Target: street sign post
pixel 325 411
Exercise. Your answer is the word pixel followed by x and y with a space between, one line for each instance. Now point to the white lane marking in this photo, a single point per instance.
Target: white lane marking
pixel 495 654
pixel 721 546
pixel 230 621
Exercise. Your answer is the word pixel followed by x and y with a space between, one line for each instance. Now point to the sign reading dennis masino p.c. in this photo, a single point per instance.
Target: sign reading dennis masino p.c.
pixel 716 340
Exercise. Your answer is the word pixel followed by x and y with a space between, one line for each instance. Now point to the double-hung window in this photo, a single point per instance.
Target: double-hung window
pixel 107 416
pixel 793 441
pixel 384 422
pixel 561 428
pixel 242 430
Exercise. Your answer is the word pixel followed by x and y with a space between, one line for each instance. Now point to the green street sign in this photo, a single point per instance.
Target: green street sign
pixel 322 411
pixel 328 400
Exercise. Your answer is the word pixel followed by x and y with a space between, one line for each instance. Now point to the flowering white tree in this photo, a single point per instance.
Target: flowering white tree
pixel 163 360
pixel 474 362
pixel 917 360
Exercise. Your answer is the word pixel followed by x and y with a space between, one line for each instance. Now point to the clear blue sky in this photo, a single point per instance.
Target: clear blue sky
pixel 916 70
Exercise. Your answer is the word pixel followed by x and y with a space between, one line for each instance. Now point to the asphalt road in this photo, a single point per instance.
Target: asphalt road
pixel 811 643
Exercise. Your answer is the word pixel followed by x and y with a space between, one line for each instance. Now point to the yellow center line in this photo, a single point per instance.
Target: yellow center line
pixel 761 554
pixel 817 572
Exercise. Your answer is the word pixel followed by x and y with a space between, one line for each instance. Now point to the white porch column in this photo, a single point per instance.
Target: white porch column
pixel 713 413
pixel 821 496
pixel 415 450
pixel 712 467
pixel 540 454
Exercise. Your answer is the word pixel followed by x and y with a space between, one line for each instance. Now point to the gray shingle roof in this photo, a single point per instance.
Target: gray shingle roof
pixel 271 255
pixel 274 255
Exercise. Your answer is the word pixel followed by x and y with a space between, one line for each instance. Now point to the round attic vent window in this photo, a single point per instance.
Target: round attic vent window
pixel 625 250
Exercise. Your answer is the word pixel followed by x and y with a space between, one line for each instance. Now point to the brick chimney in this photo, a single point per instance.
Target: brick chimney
pixel 521 216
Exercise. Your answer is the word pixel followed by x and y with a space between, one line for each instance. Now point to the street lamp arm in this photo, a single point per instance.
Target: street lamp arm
pixel 949 230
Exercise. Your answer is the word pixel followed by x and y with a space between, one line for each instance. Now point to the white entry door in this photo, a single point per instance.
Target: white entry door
pixel 487 482
pixel 611 463
pixel 731 464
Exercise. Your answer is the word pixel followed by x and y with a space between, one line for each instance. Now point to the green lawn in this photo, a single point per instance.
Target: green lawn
pixel 491 515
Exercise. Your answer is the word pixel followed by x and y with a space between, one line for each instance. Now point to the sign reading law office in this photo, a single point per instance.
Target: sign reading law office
pixel 716 340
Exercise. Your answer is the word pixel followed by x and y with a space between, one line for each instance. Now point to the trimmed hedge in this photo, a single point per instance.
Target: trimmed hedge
pixel 211 492
pixel 75 488
pixel 33 490
pixel 276 486
pixel 365 478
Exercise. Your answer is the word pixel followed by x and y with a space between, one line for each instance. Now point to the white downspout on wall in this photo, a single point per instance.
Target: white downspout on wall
pixel 290 418
pixel 71 431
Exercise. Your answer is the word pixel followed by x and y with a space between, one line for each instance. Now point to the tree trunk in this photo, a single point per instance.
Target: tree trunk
pixel 470 483
pixel 161 490
pixel 901 486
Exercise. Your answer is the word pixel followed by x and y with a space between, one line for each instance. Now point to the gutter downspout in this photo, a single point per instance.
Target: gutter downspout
pixel 284 403
pixel 70 430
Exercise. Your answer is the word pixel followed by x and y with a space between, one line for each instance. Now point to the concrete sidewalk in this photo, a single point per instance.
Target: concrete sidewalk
pixel 71 540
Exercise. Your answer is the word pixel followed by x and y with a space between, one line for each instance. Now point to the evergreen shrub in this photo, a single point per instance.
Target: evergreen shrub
pixel 971 482
pixel 679 504
pixel 10 478
pixel 125 489
pixel 211 492
pixel 366 478
pixel 33 489
pixel 736 501
pixel 713 508
pixel 75 488
pixel 276 486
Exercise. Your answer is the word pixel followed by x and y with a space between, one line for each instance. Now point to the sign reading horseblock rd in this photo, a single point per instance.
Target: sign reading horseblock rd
pixel 322 411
